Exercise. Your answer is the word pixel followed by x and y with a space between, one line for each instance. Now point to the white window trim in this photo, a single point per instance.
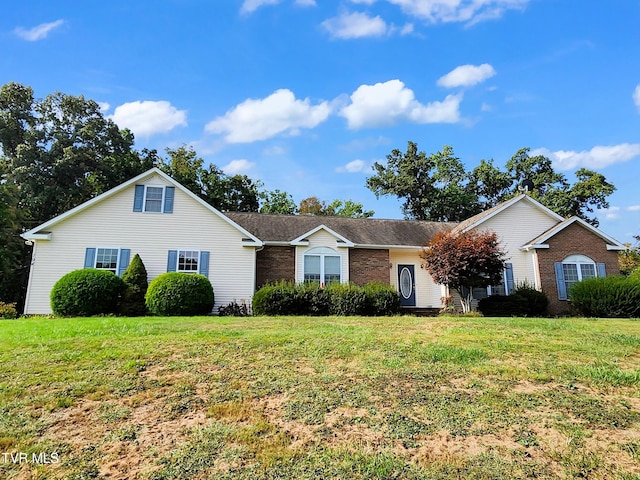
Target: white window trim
pixel 322 252
pixel 198 252
pixel 95 260
pixel 144 198
pixel 579 260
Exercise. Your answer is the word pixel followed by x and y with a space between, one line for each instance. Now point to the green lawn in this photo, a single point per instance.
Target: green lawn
pixel 309 398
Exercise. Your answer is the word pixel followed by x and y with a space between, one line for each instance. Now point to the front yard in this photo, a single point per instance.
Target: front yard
pixel 327 397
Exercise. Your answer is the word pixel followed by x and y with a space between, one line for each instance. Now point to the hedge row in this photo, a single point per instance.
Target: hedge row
pixel 607 297
pixel 288 298
pixel 525 301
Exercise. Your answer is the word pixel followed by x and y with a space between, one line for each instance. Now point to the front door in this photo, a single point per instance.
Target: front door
pixel 407 285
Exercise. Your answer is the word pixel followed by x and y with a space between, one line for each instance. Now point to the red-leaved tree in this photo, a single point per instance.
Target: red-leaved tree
pixel 465 261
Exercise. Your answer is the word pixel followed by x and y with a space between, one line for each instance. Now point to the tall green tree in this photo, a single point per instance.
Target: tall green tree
pixel 432 187
pixel 437 187
pixel 337 208
pixel 236 193
pixel 277 202
pixel 57 152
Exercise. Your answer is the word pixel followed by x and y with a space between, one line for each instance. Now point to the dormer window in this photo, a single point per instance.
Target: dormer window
pixel 153 199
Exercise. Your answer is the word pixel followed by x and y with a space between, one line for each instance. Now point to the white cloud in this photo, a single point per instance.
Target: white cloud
pixel 38 32
pixel 486 107
pixel 634 208
pixel 249 6
pixel 597 157
pixel 238 166
pixel 611 213
pixel 148 117
pixel 389 102
pixel 636 97
pixel 259 119
pixel 104 106
pixel 469 11
pixel 466 76
pixel 355 166
pixel 406 29
pixel 355 25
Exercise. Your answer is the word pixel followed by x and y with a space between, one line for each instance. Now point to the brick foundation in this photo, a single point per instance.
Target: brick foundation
pixel 573 240
pixel 368 265
pixel 274 264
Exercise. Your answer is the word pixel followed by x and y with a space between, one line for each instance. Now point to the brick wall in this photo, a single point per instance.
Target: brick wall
pixel 274 264
pixel 573 240
pixel 368 265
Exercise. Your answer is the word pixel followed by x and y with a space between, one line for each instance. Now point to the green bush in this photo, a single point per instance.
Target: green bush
pixel 312 299
pixel 346 299
pixel 135 278
pixel 524 301
pixel 503 306
pixel 276 299
pixel 87 292
pixel 536 301
pixel 608 297
pixel 381 299
pixel 8 310
pixel 177 293
pixel 287 298
pixel 635 275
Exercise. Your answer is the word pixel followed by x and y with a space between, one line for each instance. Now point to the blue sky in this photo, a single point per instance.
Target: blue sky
pixel 306 94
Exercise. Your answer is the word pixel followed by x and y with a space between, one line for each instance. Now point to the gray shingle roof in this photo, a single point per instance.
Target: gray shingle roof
pixel 360 231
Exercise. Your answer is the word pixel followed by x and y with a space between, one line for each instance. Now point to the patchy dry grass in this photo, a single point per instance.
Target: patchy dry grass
pixel 307 398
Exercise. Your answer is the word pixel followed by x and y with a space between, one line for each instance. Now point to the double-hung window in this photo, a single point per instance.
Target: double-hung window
pixel 574 269
pixel 322 265
pixel 188 261
pixel 153 199
pixel 114 259
pixel 107 259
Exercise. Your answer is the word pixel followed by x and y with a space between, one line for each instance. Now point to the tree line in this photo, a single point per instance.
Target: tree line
pixel 60 151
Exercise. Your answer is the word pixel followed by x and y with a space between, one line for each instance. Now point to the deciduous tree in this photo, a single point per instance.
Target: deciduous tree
pixel 464 261
pixel 436 187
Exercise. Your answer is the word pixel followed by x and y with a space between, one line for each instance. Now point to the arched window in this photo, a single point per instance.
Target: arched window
pixel 322 265
pixel 572 270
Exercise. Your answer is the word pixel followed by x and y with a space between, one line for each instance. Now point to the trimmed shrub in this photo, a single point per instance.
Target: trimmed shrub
pixel 135 278
pixel 176 293
pixel 8 310
pixel 287 298
pixel 346 299
pixel 87 292
pixel 503 306
pixel 635 275
pixel 525 301
pixel 276 299
pixel 312 299
pixel 536 301
pixel 608 297
pixel 381 299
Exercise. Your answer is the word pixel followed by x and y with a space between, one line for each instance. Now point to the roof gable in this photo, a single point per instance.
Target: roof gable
pixel 479 219
pixel 539 242
pixel 302 239
pixel 39 232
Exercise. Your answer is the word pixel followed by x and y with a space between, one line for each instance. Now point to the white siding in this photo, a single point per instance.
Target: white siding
pixel 112 222
pixel 428 293
pixel 516 226
pixel 322 238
